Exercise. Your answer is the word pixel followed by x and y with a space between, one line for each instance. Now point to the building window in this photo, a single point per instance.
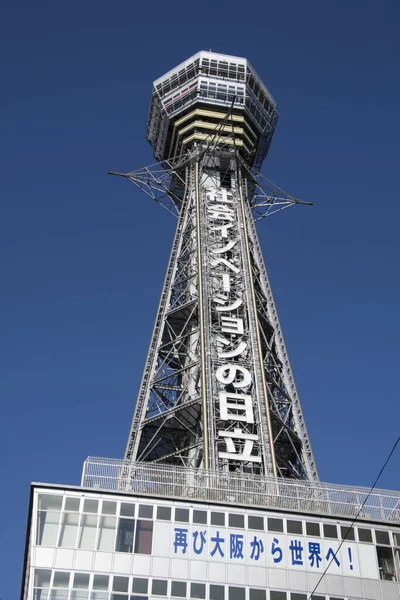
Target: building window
pixel 200 517
pixel 146 511
pixel 255 523
pixel 72 504
pixel 47 527
pixel 257 594
pixel 126 529
pixel 107 527
pixel 237 593
pixel 382 537
pixel 87 532
pixel 330 531
pixel 218 518
pixel 109 508
pixel 275 525
pixel 197 590
pixel 217 592
pixel 159 587
pixel 127 510
pixel 277 595
pixel 313 529
pixel 139 585
pixel 144 537
pixel 178 589
pixel 364 535
pixel 100 587
pixel 182 515
pixel 90 506
pixel 386 563
pixel 41 583
pixel 347 533
pixel 294 527
pixel 236 520
pixel 69 530
pixel 164 513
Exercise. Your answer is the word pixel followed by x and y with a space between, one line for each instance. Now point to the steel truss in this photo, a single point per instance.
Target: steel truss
pixel 180 417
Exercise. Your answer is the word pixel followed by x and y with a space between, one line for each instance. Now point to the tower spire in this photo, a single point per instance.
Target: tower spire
pixel 217 392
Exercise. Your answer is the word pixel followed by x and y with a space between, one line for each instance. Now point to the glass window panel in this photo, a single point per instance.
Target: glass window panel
pixel 382 537
pixel 81 581
pixel 218 518
pixel 72 504
pixel 107 527
pixel 58 595
pixel 257 594
pixel 275 525
pixel 217 592
pixel 42 577
pixel 294 596
pixel 178 588
pixel 197 590
pixel 47 528
pixel 120 584
pixel 159 587
pixel 79 595
pixel 119 597
pixel 364 535
pixel 277 595
pixel 90 506
pixel 386 563
pixel 236 520
pixel 164 513
pixel 69 530
pixel 182 515
pixel 61 579
pixel 139 585
pixel 347 532
pixel 145 511
pixel 49 502
pixel 126 529
pixel 99 596
pixel 237 593
pixel 109 508
pixel 100 582
pixel 294 527
pixel 41 594
pixel 87 532
pixel 144 537
pixel 200 517
pixel 396 539
pixel 255 522
pixel 313 529
pixel 330 531
pixel 127 510
pixel 138 598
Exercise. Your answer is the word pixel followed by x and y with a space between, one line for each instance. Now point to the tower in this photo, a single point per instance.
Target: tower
pixel 217 392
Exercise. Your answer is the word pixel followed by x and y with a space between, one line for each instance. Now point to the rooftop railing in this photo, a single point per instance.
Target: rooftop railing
pixel 241 489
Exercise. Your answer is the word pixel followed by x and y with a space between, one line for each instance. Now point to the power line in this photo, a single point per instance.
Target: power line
pixel 355 518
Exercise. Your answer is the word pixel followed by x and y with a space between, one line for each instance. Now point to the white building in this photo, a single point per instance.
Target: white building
pixel 144 531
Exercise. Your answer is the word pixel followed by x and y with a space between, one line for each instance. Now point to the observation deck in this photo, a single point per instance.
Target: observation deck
pixel 211 97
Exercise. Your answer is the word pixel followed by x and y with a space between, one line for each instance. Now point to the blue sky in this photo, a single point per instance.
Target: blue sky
pixel 83 254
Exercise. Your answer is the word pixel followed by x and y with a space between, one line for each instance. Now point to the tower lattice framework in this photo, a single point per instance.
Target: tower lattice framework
pixel 217 391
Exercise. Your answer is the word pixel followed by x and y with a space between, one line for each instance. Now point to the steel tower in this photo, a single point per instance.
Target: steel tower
pixel 217 392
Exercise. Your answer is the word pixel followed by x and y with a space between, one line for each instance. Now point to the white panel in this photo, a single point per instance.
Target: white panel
pixel 334 585
pixel 237 574
pixel 122 563
pixel 141 564
pixel 44 557
pixel 179 568
pixel 103 561
pixel 162 539
pixel 160 567
pixel 314 579
pixel 277 579
pixel 368 561
pixel 297 581
pixel 198 570
pixel 64 558
pixel 353 587
pixel 371 590
pixel 217 573
pixel 257 576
